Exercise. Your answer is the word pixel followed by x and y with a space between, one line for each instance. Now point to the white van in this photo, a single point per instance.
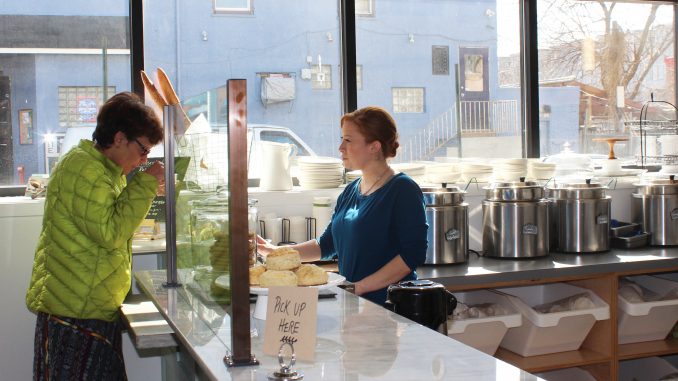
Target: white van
pixel 267 132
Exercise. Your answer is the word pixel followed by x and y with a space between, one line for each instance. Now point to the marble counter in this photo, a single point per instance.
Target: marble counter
pixel 356 340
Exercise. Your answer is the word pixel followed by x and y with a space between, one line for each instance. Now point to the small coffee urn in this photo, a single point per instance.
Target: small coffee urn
pixel 580 217
pixel 515 220
pixel 423 301
pixel 447 217
pixel 655 206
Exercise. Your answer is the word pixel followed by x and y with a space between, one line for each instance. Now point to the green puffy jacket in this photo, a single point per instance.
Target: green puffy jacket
pixel 82 266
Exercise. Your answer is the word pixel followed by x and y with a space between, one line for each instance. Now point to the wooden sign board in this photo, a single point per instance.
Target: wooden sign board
pixel 291 317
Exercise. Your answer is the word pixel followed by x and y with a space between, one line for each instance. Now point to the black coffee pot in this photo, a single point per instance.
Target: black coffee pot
pixel 426 302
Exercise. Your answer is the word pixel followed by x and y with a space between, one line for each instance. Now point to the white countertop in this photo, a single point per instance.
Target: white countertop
pixel 21 206
pixel 146 246
pixel 356 340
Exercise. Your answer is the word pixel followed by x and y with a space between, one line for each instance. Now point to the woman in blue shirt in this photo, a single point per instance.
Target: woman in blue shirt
pixel 378 229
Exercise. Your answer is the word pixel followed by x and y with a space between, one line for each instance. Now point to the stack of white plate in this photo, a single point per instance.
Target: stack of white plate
pixel 414 170
pixel 320 172
pixel 539 170
pixel 509 169
pixel 475 171
pixel 438 173
pixel 353 175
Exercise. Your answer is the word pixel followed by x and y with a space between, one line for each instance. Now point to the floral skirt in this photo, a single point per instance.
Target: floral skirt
pixel 77 349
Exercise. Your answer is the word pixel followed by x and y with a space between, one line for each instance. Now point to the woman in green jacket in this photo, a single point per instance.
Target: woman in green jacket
pixel 82 267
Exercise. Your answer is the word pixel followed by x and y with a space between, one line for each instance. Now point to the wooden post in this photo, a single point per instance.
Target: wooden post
pixel 241 344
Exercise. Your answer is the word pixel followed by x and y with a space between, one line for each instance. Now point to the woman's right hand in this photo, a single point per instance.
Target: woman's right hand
pixel 264 247
pixel 157 170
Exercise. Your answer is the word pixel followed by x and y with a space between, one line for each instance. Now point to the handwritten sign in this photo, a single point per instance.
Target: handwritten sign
pixel 291 317
pixel 157 211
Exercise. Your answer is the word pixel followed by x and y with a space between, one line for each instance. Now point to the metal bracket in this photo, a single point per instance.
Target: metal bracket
pixel 230 362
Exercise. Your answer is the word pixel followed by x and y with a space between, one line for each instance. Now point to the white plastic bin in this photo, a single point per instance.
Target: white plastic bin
pixel 647 321
pixel 543 333
pixel 645 369
pixel 485 333
pixel 569 374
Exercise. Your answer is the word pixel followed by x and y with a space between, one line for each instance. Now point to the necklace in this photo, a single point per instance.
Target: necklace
pixel 377 181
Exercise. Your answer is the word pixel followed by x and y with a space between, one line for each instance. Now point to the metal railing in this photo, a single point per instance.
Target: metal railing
pixel 501 117
pixel 426 141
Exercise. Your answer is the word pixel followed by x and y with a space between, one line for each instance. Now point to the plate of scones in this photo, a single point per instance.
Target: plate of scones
pixel 283 267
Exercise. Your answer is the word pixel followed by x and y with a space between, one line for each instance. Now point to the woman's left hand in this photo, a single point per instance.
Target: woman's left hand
pixel 264 247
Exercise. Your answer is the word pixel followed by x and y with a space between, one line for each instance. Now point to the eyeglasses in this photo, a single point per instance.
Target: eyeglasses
pixel 144 151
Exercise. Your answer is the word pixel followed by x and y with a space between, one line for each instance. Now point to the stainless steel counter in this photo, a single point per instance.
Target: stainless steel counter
pixel 356 340
pixel 482 270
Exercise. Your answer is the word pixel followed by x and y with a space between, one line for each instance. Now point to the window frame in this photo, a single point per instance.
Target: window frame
pixel 326 71
pixel 394 89
pixel 79 91
pixel 370 11
pixel 248 9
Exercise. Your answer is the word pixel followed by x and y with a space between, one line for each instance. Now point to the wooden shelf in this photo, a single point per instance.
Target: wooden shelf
pixel 647 349
pixel 553 361
pixel 599 354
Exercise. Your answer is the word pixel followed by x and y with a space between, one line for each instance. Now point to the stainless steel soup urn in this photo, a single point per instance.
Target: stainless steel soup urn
pixel 515 220
pixel 447 217
pixel 655 206
pixel 580 217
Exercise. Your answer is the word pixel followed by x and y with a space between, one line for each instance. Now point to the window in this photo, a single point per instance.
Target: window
pixel 233 6
pixel 473 72
pixel 52 77
pixel 364 7
pixel 284 36
pixel 427 61
pixel 321 79
pixel 79 105
pixel 596 78
pixel 408 99
pixel 440 60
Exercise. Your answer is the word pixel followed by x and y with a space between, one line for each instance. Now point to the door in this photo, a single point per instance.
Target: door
pixel 6 162
pixel 474 89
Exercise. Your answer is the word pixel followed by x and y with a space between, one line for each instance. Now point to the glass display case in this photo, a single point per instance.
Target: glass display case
pixel 210 221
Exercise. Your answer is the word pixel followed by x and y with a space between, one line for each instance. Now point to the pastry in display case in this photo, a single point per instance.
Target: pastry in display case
pixel 210 257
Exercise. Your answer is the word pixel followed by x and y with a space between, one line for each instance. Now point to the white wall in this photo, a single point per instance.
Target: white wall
pixel 20 224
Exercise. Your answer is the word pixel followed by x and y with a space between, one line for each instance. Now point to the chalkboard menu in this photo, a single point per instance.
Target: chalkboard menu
pixel 157 211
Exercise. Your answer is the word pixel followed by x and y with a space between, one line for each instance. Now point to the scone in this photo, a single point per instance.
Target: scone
pixel 273 278
pixel 255 273
pixel 283 258
pixel 311 275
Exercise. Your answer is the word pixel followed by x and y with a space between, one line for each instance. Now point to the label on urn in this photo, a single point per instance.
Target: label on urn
pixel 530 229
pixel 602 219
pixel 452 234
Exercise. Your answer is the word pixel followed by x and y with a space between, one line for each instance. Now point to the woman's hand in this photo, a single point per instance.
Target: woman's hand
pixel 157 170
pixel 264 247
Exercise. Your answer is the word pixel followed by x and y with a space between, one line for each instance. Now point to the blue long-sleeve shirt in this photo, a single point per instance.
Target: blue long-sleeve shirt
pixel 367 232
